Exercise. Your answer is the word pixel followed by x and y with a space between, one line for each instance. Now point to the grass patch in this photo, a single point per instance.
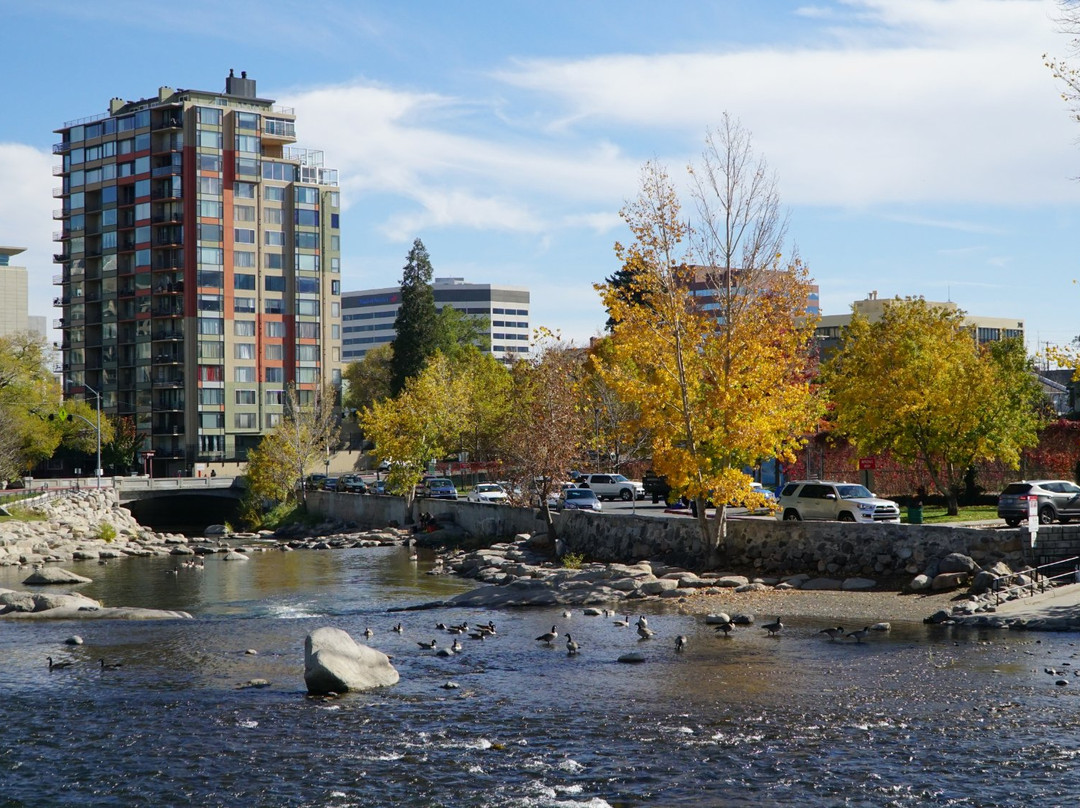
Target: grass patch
pixel 936 515
pixel 286 513
pixel 20 513
pixel 573 561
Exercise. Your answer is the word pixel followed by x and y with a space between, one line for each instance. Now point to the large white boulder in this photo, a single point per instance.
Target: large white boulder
pixel 335 663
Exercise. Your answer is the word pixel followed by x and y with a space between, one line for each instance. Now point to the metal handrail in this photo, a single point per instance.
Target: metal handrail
pixel 1035 584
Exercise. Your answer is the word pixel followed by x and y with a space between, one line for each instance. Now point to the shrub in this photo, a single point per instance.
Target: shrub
pixel 573 561
pixel 106 531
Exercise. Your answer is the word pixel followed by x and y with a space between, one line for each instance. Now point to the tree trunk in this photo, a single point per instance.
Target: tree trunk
pixel 951 501
pixel 548 521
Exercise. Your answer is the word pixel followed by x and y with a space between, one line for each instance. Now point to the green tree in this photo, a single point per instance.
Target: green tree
pixel 717 389
pixel 917 385
pixel 119 452
pixel 415 326
pixel 29 394
pixel 368 380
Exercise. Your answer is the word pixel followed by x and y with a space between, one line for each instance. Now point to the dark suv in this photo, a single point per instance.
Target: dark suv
pixel 1057 499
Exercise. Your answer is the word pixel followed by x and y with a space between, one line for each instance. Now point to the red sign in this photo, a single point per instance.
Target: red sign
pixel 867 463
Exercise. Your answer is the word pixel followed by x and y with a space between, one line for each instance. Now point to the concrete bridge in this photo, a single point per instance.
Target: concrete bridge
pixel 139 489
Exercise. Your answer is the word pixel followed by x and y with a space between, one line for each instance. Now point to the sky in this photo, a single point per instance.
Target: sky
pixel 921 147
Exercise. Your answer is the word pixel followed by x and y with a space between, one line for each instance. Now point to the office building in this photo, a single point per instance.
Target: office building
pixel 985 329
pixel 368 316
pixel 200 268
pixel 13 293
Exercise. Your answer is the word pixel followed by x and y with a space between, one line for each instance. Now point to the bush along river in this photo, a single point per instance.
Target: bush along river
pixel 920 715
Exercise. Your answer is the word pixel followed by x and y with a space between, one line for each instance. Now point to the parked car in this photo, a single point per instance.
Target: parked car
pixel 487 492
pixel 314 482
pixel 440 488
pixel 378 487
pixel 612 486
pixel 352 483
pixel 824 499
pixel 553 495
pixel 329 484
pixel 767 494
pixel 1057 500
pixel 577 499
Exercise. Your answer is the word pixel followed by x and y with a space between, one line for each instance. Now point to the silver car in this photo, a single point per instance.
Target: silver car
pixel 1055 500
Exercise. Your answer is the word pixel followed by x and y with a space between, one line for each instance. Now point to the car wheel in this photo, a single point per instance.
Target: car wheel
pixel 1046 515
pixel 792 515
pixel 846 516
pixel 626 494
pixel 1013 521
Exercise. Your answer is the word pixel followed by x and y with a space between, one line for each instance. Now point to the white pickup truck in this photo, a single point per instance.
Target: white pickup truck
pixel 612 486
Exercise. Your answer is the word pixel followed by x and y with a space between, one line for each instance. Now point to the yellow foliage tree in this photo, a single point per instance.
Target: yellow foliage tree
pixel 720 389
pixel 916 384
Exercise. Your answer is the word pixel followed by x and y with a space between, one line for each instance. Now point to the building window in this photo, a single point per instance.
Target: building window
pixel 275 352
pixel 211 373
pixel 243 213
pixel 275 375
pixel 307 353
pixel 211 350
pixel 244 328
pixel 274 283
pixel 211 420
pixel 244 350
pixel 308 308
pixel 272 215
pixel 274 306
pixel 275 329
pixel 244 190
pixel 275 398
pixel 211 325
pixel 211 396
pixel 243 235
pixel 244 420
pixel 243 281
pixel 245 397
pixel 274 238
pixel 244 375
pixel 272 419
pixel 243 259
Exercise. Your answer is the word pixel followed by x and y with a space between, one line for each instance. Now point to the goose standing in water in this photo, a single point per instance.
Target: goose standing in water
pixel 680 643
pixel 57 665
pixel 773 628
pixel 860 634
pixel 572 647
pixel 644 632
pixel 548 637
pixel 726 628
pixel 833 633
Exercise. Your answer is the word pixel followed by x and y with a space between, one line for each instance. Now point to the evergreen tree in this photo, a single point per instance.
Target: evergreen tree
pixel 416 320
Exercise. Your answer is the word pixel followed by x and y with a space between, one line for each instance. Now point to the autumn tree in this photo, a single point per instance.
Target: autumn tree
pixel 369 379
pixel 420 424
pixel 119 452
pixel 305 436
pixel 543 437
pixel 915 384
pixel 720 388
pixel 414 326
pixel 1062 70
pixel 29 394
pixel 612 425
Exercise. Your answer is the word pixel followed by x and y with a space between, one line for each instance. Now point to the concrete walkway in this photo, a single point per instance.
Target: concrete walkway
pixel 1060 602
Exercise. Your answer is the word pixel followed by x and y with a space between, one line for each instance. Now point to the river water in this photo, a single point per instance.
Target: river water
pixel 923 715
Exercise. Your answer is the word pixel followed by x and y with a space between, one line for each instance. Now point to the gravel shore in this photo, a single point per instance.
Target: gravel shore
pixel 848 608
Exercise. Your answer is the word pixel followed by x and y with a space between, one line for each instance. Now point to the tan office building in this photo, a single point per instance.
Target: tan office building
pixel 200 268
pixel 13 293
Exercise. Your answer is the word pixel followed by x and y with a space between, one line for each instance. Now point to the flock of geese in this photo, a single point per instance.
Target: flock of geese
pixel 105 666
pixel 573 647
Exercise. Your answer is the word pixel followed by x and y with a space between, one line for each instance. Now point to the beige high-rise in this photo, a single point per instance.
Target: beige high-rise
pixel 13 293
pixel 200 268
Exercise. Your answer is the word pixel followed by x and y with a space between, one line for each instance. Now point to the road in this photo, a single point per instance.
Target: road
pixel 645 507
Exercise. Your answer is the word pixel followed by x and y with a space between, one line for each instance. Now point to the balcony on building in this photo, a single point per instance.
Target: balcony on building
pixel 278 130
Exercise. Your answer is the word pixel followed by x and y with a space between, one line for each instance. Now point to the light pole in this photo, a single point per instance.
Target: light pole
pixel 97 395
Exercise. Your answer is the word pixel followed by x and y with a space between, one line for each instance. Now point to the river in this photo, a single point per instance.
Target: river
pixel 922 715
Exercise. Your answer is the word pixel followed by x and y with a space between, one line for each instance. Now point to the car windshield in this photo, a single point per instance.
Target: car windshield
pixel 853 492
pixel 1017 488
pixel 618 478
pixel 578 493
pixel 487 489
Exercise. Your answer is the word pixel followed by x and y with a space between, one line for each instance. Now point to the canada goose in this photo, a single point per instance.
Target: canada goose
pixel 641 622
pixel 478 635
pixel 833 633
pixel 571 647
pixel 549 637
pixel 726 628
pixel 428 645
pixel 858 635
pixel 110 666
pixel 622 623
pixel 440 626
pixel 644 632
pixel 458 629
pixel 489 628
pixel 680 642
pixel 456 646
pixel 57 665
pixel 567 614
pixel 368 632
pixel 399 629
pixel 773 628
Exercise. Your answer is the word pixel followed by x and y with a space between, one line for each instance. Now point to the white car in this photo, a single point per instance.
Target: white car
pixel 487 492
pixel 612 486
pixel 845 502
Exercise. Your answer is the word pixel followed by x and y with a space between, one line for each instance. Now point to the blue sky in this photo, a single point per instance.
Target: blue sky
pixel 921 146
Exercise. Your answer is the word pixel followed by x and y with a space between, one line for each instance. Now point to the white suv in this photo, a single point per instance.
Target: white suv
pixel 612 486
pixel 821 499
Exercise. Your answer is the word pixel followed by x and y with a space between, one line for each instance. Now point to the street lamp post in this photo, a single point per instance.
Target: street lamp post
pixel 97 395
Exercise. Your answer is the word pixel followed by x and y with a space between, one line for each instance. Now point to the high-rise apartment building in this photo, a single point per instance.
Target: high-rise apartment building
pixel 13 293
pixel 200 268
pixel 368 316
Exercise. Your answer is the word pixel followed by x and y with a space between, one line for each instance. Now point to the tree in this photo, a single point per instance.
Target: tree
pixel 29 394
pixel 718 389
pixel 542 439
pixel 119 452
pixel 415 339
pixel 368 380
pixel 456 331
pixel 1069 76
pixel 421 424
pixel 916 384
pixel 612 427
pixel 306 435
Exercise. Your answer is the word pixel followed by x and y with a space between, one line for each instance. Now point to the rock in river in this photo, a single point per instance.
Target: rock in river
pixel 334 663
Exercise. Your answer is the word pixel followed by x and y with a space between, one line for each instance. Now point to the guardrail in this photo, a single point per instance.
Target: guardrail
pixel 1039 581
